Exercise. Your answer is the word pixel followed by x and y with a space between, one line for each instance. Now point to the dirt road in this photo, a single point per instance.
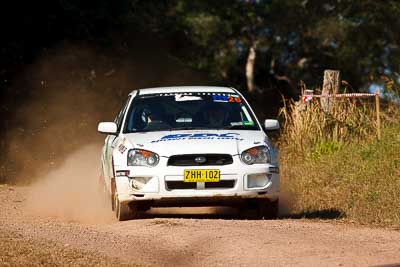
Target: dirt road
pixel 198 238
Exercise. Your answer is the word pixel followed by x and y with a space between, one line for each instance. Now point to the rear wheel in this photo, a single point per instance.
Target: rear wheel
pixel 124 211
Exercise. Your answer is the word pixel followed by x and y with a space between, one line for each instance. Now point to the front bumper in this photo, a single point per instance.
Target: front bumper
pixel 234 183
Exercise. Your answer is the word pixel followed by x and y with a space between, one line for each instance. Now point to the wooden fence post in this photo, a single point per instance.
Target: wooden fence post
pixel 329 87
pixel 378 117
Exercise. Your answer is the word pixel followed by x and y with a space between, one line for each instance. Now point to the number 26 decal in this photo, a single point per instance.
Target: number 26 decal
pixel 233 99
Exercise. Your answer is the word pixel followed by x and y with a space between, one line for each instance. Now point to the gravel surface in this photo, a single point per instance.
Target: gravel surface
pixel 184 237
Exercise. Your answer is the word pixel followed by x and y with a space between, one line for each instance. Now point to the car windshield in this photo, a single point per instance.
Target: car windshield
pixel 188 111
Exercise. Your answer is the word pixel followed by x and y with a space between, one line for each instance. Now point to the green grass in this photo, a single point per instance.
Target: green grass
pixel 358 176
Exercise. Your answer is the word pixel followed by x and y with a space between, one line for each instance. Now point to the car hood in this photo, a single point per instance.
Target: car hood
pixel 167 143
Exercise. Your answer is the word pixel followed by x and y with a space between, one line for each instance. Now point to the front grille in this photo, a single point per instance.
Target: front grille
pixel 190 160
pixel 224 184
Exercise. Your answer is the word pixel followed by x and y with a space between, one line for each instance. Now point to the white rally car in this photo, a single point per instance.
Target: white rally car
pixel 189 146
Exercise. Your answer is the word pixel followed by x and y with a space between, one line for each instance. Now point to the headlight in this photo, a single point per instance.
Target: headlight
pixel 255 155
pixel 140 157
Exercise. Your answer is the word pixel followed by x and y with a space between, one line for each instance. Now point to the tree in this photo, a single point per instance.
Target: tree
pixel 248 41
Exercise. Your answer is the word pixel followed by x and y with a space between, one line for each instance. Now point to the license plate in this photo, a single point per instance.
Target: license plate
pixel 194 176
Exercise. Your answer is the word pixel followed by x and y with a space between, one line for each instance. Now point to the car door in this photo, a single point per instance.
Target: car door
pixel 110 143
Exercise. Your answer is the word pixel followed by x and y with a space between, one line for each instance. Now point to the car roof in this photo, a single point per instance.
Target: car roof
pixel 184 89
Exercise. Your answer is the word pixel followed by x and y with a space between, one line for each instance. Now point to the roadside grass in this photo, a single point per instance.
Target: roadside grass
pixel 336 163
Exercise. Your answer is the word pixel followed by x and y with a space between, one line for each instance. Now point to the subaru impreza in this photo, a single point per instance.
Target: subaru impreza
pixel 189 146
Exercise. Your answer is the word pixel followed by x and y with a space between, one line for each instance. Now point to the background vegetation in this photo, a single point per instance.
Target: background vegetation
pixel 67 64
pixel 293 40
pixel 333 164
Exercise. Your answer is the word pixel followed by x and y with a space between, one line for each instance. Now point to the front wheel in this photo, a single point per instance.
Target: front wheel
pixel 124 211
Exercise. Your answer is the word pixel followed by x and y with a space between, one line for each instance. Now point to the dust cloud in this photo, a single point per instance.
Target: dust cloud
pixel 72 192
pixel 286 203
pixel 58 101
pixel 68 90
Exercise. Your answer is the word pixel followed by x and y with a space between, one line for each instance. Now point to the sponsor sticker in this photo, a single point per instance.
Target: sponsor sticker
pixel 122 148
pixel 240 123
pixel 251 123
pixel 199 136
pixel 182 98
pixel 226 99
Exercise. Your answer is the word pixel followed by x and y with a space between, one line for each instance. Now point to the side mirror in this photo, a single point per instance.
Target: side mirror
pixel 271 125
pixel 107 127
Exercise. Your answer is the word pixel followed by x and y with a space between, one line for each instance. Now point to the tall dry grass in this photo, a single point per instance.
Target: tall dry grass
pixel 333 164
pixel 348 120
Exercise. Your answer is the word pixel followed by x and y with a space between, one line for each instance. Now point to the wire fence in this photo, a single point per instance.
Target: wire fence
pixel 308 96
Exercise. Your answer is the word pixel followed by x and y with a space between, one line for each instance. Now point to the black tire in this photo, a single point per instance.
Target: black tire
pixel 112 195
pixel 125 211
pixel 112 200
pixel 267 209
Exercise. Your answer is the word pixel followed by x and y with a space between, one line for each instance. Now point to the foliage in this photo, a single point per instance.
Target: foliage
pixel 307 128
pixel 324 148
pixel 360 180
pixel 334 161
pixel 296 39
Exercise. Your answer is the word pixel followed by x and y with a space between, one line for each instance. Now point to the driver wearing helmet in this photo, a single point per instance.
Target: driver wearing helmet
pixel 216 116
pixel 154 118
